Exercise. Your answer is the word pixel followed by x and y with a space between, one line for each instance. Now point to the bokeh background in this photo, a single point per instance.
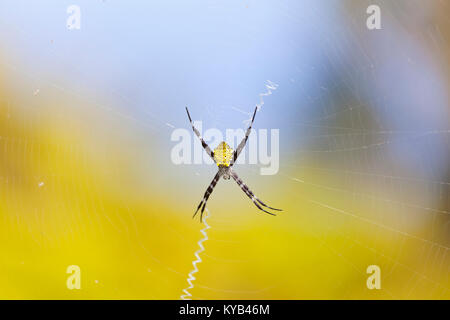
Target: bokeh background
pixel 85 171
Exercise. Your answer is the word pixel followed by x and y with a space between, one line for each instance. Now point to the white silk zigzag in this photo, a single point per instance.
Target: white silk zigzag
pixel 187 295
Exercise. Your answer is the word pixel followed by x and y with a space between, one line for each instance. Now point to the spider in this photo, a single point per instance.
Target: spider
pixel 225 157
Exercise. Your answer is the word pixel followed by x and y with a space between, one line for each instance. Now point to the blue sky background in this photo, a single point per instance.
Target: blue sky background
pixel 152 58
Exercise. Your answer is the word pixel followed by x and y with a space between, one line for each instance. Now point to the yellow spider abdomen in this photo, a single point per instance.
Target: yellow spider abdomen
pixel 223 154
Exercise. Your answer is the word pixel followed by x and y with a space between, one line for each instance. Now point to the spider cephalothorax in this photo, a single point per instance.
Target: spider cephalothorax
pixel 225 172
pixel 225 158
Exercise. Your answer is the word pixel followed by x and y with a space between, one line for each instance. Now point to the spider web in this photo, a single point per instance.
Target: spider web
pixel 370 182
pixel 355 175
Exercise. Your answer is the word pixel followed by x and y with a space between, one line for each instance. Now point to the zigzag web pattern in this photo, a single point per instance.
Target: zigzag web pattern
pixel 187 295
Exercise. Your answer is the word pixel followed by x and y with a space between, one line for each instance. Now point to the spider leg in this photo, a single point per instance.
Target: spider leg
pixel 241 145
pixel 251 195
pixel 208 192
pixel 197 133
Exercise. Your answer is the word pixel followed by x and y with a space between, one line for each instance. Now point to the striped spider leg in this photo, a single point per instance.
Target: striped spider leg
pixel 250 194
pixel 238 180
pixel 207 194
pixel 241 145
pixel 197 133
